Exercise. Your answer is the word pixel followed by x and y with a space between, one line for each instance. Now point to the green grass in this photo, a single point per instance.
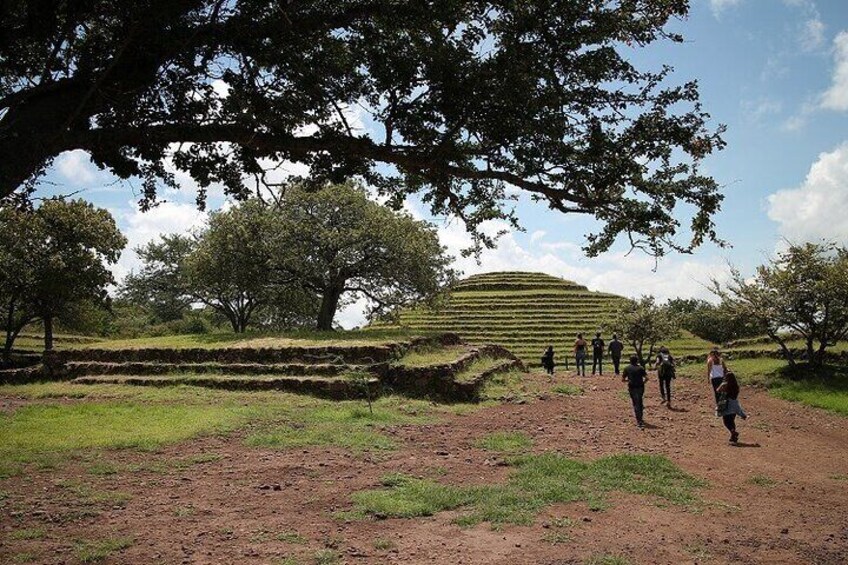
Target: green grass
pixel 291 537
pixel 257 339
pixel 43 428
pixel 24 557
pixel 538 481
pixel 47 433
pixel 93 551
pixel 508 384
pixel 383 544
pixel 28 534
pixel 347 424
pixel 761 481
pixel 566 389
pixel 326 557
pixel 505 442
pixel 476 367
pixel 422 357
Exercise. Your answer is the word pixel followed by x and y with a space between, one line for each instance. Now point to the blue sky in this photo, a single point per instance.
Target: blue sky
pixel 774 71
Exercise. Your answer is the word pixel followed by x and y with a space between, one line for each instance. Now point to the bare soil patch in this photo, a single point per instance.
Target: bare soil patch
pixel 779 497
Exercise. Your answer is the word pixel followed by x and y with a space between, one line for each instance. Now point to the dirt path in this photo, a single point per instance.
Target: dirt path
pixel 218 512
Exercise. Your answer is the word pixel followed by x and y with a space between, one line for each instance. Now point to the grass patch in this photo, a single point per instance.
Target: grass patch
pixel 556 538
pixel 761 481
pixel 87 496
pixel 426 356
pixel 326 557
pixel 24 557
pixel 538 481
pixel 257 339
pixel 44 428
pixel 505 442
pixel 566 389
pixel 93 551
pixel 476 367
pixel 507 385
pixel 28 534
pixel 291 537
pixel 382 544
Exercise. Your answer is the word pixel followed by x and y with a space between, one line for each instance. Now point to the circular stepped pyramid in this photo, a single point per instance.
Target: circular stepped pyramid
pixel 523 312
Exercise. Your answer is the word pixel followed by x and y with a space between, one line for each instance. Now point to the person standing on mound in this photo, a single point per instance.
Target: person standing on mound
pixel 729 405
pixel 580 354
pixel 716 370
pixel 636 376
pixel 548 360
pixel 598 354
pixel 615 349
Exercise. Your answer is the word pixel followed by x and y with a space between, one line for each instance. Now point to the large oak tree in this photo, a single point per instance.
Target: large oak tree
pixel 464 99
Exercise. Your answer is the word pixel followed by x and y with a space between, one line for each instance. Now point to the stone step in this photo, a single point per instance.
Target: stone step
pixel 140 368
pixel 337 388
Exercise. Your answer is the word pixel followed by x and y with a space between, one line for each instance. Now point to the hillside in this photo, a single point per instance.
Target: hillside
pixel 524 312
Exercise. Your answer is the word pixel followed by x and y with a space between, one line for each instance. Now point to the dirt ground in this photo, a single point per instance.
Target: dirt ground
pixel 232 510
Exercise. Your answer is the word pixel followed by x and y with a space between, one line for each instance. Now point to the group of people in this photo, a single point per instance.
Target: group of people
pixel 723 382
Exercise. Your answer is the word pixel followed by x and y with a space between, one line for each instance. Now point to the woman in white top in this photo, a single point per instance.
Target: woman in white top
pixel 716 369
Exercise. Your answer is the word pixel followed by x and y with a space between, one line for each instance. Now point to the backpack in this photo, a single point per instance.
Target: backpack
pixel 666 366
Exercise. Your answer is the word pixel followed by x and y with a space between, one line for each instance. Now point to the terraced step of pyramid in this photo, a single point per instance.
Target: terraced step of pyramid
pixel 337 388
pixel 90 368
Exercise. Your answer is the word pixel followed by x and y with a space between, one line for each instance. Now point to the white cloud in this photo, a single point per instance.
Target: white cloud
pixel 537 235
pixel 836 97
pixel 141 227
pixel 812 34
pixel 816 209
pixel 616 272
pixel 757 110
pixel 719 6
pixel 76 167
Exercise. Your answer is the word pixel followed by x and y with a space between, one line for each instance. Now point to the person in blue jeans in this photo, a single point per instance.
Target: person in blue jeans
pixel 580 354
pixel 636 376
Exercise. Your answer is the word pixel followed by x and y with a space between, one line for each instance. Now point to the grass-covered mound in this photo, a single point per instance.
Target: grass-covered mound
pixel 526 312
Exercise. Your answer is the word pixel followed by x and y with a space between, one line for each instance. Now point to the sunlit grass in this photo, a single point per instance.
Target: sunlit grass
pixel 538 481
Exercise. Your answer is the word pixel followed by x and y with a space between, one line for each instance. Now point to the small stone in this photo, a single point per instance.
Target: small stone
pixel 784 531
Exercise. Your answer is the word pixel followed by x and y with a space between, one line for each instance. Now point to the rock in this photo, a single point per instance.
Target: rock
pixel 784 531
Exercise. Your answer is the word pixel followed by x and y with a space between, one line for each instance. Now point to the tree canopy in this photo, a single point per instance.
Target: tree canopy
pixel 802 291
pixel 336 243
pixel 61 262
pixel 464 99
pixel 643 323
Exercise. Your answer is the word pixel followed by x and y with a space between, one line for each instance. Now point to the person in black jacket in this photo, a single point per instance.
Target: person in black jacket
pixel 615 349
pixel 635 375
pixel 548 360
pixel 665 372
pixel 598 354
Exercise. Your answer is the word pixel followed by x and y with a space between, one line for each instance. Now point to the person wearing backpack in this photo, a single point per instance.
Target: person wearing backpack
pixel 615 349
pixel 598 354
pixel 635 376
pixel 665 372
pixel 548 360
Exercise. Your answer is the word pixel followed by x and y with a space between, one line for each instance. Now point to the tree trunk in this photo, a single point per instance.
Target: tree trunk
pixel 48 333
pixel 329 304
pixel 812 358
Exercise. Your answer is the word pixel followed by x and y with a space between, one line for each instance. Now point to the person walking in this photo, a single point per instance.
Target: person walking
pixel 598 354
pixel 580 354
pixel 716 370
pixel 548 360
pixel 635 375
pixel 665 372
pixel 729 405
pixel 615 349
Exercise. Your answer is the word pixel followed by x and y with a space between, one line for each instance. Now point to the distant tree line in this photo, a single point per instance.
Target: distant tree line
pixel 292 262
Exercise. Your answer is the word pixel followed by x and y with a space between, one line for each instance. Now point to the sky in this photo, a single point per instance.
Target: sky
pixel 775 72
